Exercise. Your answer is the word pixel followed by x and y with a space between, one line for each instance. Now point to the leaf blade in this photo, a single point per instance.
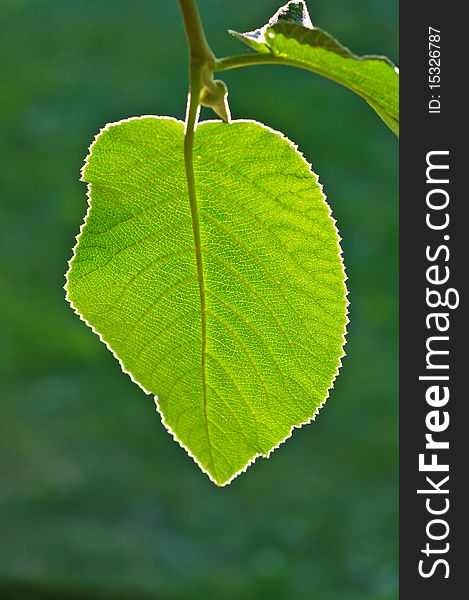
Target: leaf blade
pixel 137 286
pixel 374 78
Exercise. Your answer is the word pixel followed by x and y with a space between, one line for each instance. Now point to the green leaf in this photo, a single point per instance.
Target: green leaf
pixel 248 349
pixel 290 38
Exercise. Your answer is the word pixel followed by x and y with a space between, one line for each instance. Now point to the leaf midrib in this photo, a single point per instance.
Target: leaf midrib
pixel 189 165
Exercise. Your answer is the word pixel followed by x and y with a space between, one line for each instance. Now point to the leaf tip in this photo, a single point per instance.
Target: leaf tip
pixel 294 11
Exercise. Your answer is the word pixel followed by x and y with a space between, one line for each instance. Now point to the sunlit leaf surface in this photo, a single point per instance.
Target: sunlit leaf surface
pixel 241 352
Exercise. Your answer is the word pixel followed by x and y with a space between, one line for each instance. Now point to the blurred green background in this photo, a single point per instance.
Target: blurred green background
pixel 96 500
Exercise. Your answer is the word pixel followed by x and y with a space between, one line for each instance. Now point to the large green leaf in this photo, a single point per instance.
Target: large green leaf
pixel 240 360
pixel 290 38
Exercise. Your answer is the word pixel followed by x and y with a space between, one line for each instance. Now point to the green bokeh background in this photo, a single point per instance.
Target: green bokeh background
pixel 96 500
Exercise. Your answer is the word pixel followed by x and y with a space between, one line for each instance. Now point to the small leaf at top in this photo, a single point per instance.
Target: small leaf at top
pixel 290 37
pixel 292 12
pixel 237 325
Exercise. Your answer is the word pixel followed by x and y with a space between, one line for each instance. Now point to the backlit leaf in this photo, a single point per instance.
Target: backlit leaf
pixel 240 353
pixel 291 38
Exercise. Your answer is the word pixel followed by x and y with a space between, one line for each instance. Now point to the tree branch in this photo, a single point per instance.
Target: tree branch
pixel 198 46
